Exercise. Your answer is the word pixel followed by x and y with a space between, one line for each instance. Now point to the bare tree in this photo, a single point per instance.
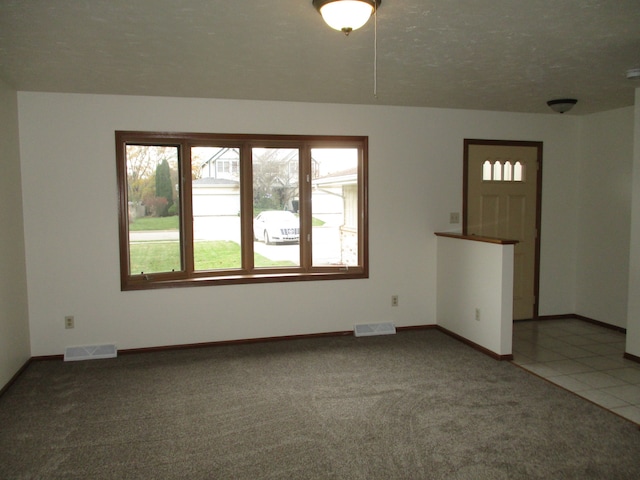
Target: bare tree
pixel 142 161
pixel 275 178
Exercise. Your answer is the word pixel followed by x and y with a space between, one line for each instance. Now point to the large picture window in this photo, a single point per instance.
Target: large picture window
pixel 198 209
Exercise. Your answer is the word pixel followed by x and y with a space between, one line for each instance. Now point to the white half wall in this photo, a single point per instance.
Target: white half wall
pixel 475 292
pixel 415 181
pixel 14 321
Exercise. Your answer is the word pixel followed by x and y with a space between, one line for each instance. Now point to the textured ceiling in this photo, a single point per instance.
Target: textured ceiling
pixel 507 55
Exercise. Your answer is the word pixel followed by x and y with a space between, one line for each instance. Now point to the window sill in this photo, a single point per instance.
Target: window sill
pixel 346 274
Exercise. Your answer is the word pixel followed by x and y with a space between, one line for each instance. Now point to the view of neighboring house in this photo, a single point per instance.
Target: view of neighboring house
pixel 216 193
pixel 335 201
pixel 215 197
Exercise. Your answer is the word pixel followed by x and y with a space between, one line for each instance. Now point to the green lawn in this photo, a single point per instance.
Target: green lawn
pixel 154 257
pixel 155 223
pixel 173 223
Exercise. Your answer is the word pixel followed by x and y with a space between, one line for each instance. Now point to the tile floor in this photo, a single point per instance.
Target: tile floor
pixel 584 358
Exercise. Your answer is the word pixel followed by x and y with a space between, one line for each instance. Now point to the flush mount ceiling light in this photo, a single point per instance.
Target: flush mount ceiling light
pixel 346 15
pixel 562 104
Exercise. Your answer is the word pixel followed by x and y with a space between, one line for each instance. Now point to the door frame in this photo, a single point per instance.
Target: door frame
pixel 538 216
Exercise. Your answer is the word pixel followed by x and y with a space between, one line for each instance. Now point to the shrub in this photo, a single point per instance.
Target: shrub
pixel 157 206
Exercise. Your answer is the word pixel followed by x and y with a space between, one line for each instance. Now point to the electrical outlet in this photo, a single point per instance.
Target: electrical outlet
pixel 477 314
pixel 69 322
pixel 394 300
pixel 454 217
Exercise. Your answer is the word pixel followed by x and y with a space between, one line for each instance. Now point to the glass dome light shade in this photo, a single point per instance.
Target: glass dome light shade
pixel 346 15
pixel 562 104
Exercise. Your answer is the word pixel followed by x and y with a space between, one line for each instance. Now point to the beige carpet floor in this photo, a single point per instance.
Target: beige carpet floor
pixel 416 405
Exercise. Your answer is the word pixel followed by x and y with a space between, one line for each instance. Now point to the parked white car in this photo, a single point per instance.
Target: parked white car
pixel 276 226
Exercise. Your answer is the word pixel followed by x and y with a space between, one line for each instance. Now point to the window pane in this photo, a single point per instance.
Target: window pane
pixel 507 171
pixel 517 172
pixel 497 170
pixel 152 192
pixel 486 170
pixel 276 226
pixel 215 199
pixel 334 206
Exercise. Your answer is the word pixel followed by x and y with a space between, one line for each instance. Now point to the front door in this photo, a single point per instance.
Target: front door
pixel 502 181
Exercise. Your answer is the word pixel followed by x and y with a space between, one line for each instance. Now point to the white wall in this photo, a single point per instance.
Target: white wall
pixel 559 223
pixel 415 180
pixel 14 324
pixel 633 312
pixel 475 292
pixel 604 215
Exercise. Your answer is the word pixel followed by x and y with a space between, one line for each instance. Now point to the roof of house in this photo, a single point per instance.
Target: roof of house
pixel 209 181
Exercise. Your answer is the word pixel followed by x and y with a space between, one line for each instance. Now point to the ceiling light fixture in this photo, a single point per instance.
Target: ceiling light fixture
pixel 633 74
pixel 346 15
pixel 562 104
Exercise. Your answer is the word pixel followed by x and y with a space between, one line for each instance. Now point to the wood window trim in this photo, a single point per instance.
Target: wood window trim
pixel 188 276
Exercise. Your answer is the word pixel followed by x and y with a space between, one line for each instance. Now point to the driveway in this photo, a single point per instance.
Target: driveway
pixel 326 240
